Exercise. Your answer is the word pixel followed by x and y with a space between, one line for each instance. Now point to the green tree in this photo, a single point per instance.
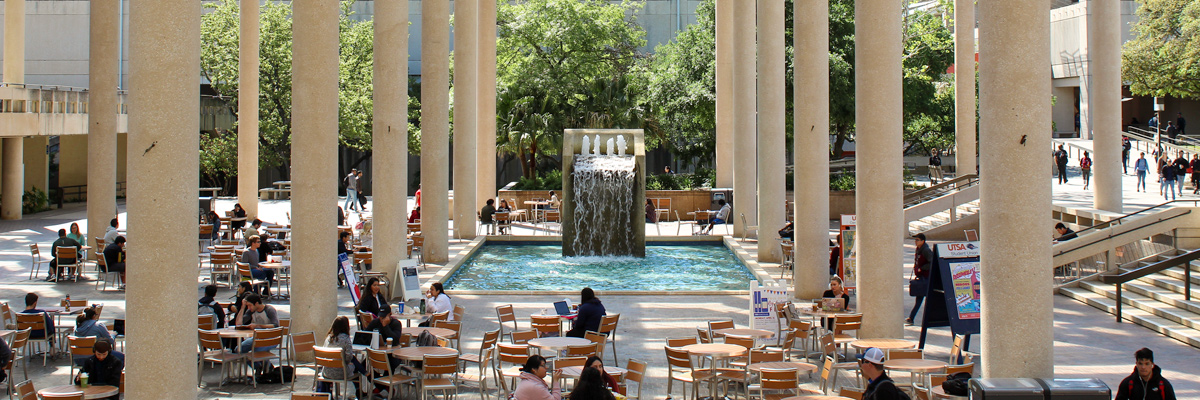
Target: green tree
pixel 563 64
pixel 1163 59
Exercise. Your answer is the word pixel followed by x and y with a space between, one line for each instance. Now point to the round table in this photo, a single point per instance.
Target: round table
pixel 914 365
pixel 754 333
pixel 275 265
pixel 419 352
pixel 716 351
pixel 574 372
pixel 827 314
pixel 883 344
pixel 439 332
pixel 817 398
pixel 798 366
pixel 90 392
pixel 236 333
pixel 939 393
pixel 558 343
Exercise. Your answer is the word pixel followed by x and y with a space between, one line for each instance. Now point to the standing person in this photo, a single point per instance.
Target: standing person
pixel 1181 166
pixel 1168 175
pixel 1125 147
pixel 1153 123
pixel 1141 167
pixel 1180 123
pixel 351 181
pixel 922 264
pixel 1146 382
pixel 1085 166
pixel 1172 131
pixel 591 311
pixel 1060 160
pixel 935 166
pixel 1195 164
pixel 879 385
pixel 418 196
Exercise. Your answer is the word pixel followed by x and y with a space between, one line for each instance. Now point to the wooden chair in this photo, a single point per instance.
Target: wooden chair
pixel 103 274
pixel 490 338
pixel 485 359
pixel 789 259
pixel 546 326
pixel 460 313
pixel 843 325
pixel 266 338
pixel 455 326
pixel 906 354
pixel 714 326
pixel 212 351
pixel 34 322
pixel 787 346
pixel 680 368
pixel 514 357
pixel 568 362
pixel 382 371
pixel 434 372
pixel 740 373
pixel 523 337
pixel 703 335
pixel 831 355
pixel 79 347
pixel 20 339
pixel 243 270
pixel 597 339
pixel 680 342
pixel 635 372
pixel 302 343
pixel 37 260
pixel 608 327
pixel 853 393
pixel 679 223
pixel 310 396
pixel 24 390
pixel 418 245
pixel 586 350
pixel 505 315
pixel 331 357
pixel 782 380
pixel 551 216
pixel 68 253
pixel 221 263
pixel 364 319
pixel 7 316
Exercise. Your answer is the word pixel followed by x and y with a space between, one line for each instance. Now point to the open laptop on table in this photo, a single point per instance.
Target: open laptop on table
pixel 833 304
pixel 364 340
pixel 562 308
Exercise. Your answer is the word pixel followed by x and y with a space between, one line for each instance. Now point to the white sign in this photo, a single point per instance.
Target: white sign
pixel 958 250
pixel 850 219
pixel 763 301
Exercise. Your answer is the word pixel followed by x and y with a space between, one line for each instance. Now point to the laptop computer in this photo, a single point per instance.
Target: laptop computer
pixel 562 308
pixel 834 304
pixel 364 340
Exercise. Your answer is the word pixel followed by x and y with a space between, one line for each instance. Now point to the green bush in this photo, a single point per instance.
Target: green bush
pixel 34 200
pixel 548 181
pixel 841 181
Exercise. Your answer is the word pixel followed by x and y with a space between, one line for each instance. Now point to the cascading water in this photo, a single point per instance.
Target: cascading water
pixel 603 194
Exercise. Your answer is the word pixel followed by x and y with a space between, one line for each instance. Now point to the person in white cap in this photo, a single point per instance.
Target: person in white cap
pixel 879 385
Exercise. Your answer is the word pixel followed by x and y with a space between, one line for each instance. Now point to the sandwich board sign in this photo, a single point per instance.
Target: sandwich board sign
pixel 953 299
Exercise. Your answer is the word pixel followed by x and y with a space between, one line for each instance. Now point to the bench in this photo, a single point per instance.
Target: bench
pixel 274 194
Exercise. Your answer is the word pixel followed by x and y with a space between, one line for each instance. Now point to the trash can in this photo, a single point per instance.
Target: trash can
pixel 1006 388
pixel 1076 389
pixel 206 205
pixel 720 194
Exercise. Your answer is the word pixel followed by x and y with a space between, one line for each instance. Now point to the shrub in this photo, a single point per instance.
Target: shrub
pixel 841 181
pixel 34 200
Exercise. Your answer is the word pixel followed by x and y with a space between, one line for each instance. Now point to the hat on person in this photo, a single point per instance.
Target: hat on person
pixel 919 236
pixel 874 355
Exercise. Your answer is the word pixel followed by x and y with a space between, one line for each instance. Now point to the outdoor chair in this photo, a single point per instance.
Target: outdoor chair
pixel 302 344
pixel 680 368
pixel 853 393
pixel 546 326
pixel 221 264
pixel 381 369
pixel 781 380
pixel 79 347
pixel 680 342
pixel 505 315
pixel 37 260
pixel 244 272
pixel 213 352
pixel 435 370
pixel 68 253
pixel 34 322
pixel 480 378
pixel 714 326
pixel 331 357
pixel 608 328
pixel 523 337
pixel 24 390
pixel 788 262
pixel 635 372
pixel 513 357
pixel 679 223
pixel 490 338
pixel 266 338
pixel 599 339
pixel 20 339
pixel 310 396
pixel 455 326
pixel 746 228
pixel 503 223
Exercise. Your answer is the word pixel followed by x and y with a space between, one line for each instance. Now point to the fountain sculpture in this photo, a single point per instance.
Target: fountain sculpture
pixel 604 195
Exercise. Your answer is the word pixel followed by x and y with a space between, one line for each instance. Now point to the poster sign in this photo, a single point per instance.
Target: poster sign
pixel 848 263
pixel 953 297
pixel 958 250
pixel 351 281
pixel 763 300
pixel 965 278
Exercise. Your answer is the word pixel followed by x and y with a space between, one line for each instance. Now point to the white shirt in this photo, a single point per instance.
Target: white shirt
pixel 438 304
pixel 110 235
pixel 723 213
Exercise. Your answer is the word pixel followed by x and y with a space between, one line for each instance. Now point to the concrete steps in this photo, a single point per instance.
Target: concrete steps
pixel 1156 302
pixel 942 218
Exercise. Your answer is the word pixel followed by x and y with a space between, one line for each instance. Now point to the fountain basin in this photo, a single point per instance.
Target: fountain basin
pixel 540 266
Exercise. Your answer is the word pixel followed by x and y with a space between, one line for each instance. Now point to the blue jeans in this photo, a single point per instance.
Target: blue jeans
pixel 351 200
pixel 249 343
pixel 1168 188
pixel 1141 183
pixel 916 307
pixel 1179 185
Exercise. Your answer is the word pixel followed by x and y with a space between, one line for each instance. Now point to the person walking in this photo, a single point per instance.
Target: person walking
pixel 1180 123
pixel 1181 168
pixel 1060 159
pixel 1141 167
pixel 1195 164
pixel 1146 382
pixel 935 166
pixel 1172 131
pixel 1168 175
pixel 1085 167
pixel 922 264
pixel 351 181
pixel 1125 147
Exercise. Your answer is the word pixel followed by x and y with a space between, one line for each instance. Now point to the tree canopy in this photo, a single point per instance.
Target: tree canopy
pixel 1163 59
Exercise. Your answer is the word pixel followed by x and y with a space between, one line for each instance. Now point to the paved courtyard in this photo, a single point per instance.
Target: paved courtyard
pixel 1088 342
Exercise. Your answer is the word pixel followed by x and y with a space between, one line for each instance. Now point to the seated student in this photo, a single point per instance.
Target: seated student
pixel 487 212
pixel 388 328
pixel 339 336
pixel 415 216
pixel 1064 232
pixel 208 304
pixel 114 257
pixel 252 230
pixel 88 325
pixel 250 256
pixel 31 300
pixel 533 381
pixel 63 241
pixel 110 234
pixel 437 302
pixel 102 368
pixel 591 312
pixel 256 315
pixel 721 217
pixel 788 231
pixel 5 356
pixel 837 290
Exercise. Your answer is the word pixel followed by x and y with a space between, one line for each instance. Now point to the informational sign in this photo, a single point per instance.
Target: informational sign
pixel 351 281
pixel 958 250
pixel 953 297
pixel 965 279
pixel 763 301
pixel 410 286
pixel 848 262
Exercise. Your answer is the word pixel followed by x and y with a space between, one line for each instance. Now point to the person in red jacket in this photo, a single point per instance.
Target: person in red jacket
pixel 1146 382
pixel 922 264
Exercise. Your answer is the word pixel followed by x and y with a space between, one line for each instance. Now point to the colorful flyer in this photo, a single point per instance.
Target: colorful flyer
pixel 965 278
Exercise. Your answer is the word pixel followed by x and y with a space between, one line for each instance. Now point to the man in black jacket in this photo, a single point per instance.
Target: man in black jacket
pixel 879 385
pixel 922 264
pixel 1146 381
pixel 101 367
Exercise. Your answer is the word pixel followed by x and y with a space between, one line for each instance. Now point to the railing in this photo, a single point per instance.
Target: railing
pixel 1120 220
pixel 1145 141
pixel 937 190
pixel 1122 277
pixel 80 191
pixel 1111 244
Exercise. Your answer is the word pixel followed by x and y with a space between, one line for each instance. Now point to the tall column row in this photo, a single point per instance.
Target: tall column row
pixel 247 186
pixel 745 119
pixel 165 100
pixel 435 127
pixel 103 63
pixel 725 94
pixel 466 78
pixel 12 172
pixel 1104 49
pixel 964 86
pixel 486 108
pixel 390 132
pixel 811 144
pixel 771 140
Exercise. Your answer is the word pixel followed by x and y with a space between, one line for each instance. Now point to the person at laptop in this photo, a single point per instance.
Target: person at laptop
pixel 339 336
pixel 591 311
pixel 836 290
pixel 438 302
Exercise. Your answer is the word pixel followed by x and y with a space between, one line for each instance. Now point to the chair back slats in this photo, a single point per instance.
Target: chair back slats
pixel 849 392
pixel 379 361
pixel 310 396
pixel 20 339
pixel 326 357
pixel 206 321
pixel 505 314
pixel 678 358
pixel 545 325
pixel 523 337
pixel 636 370
pixel 303 342
pixel 459 312
pixel 608 323
pixel 513 353
pixel 680 342
pixel 455 326
pixel 744 341
pixel 437 365
pixel 67 252
pixel 906 354
pixel 758 356
pixel 31 321
pixel 702 335
pixel 954 369
pixel 210 340
pixel 490 338
pixel 586 350
pixel 25 390
pixel 779 379
pixel 81 346
pixel 570 362
pixel 268 337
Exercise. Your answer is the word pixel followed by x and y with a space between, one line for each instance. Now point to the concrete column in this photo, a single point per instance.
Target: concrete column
pixel 772 142
pixel 11 170
pixel 485 187
pixel 13 176
pixel 164 97
pixel 314 165
pixel 964 87
pixel 247 186
pixel 878 167
pixel 725 94
pixel 390 132
pixel 102 118
pixel 811 144
pixel 37 164
pixel 466 89
pixel 435 127
pixel 745 119
pixel 1105 52
pixel 1014 83
pixel 14 41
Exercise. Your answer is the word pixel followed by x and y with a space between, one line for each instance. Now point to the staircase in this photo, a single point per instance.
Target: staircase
pixel 962 212
pixel 1155 301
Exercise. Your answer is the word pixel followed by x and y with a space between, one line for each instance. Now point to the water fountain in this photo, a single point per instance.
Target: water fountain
pixel 604 195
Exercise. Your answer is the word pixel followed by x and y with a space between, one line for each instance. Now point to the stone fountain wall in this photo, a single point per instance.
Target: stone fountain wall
pixel 604 230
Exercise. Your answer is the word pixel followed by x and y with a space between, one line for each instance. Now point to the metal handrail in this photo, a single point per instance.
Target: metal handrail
pixel 1119 220
pixel 961 182
pixel 1121 278
pixel 1187 141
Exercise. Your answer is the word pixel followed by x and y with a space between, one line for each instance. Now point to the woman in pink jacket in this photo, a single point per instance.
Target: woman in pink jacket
pixel 533 381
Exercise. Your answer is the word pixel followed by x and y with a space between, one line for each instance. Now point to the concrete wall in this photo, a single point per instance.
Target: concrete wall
pixel 73 158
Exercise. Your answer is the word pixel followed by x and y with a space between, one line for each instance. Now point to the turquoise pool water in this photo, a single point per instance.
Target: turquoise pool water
pixel 540 266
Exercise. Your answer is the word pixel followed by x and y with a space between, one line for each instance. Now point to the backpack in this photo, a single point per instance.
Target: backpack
pixel 275 375
pixel 426 339
pixel 957 384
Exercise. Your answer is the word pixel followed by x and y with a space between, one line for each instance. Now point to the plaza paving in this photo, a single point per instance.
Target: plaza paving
pixel 1088 342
